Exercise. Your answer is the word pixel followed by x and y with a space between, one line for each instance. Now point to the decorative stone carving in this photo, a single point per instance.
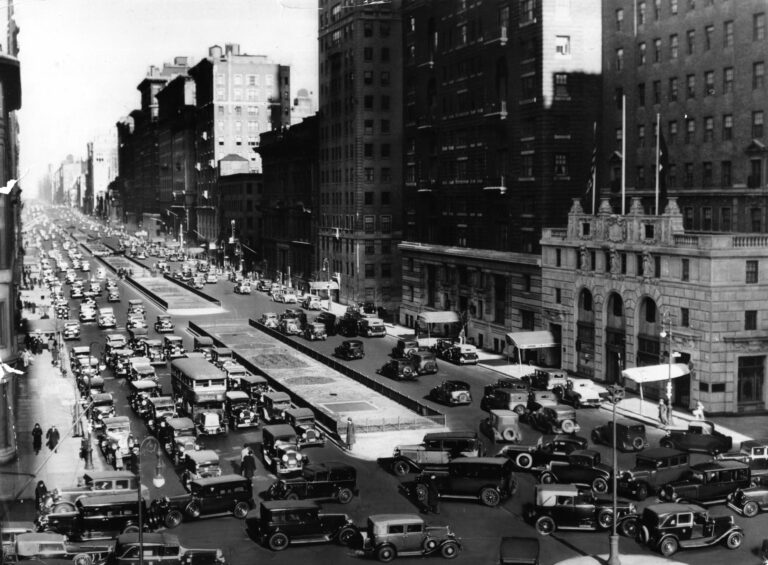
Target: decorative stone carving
pixel 605 206
pixel 672 209
pixel 576 207
pixel 648 266
pixel 636 208
pixel 584 254
pixel 615 264
pixel 617 228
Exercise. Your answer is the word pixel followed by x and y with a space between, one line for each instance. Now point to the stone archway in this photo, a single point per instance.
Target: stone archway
pixel 615 340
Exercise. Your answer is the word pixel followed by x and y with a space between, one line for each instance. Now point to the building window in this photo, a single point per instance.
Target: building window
pixel 673 7
pixel 561 165
pixel 688 171
pixel 385 78
pixel 758 75
pixel 386 149
pixel 370 270
pixel 526 166
pixel 368 149
pixel 370 248
pixel 672 131
pixel 558 257
pixel 706 218
pixel 619 19
pixel 709 83
pixel 641 135
pixel 527 11
pixel 368 53
pixel 563 45
pixel 751 272
pixel 725 219
pixel 750 320
pixel 558 299
pixel 386 270
pixel 527 319
pixel 706 175
pixel 758 27
pixel 641 54
pixel 709 32
pixel 386 224
pixel 690 86
pixel 727 80
pixel 368 178
pixel 686 270
pixel 688 218
pixel 725 175
pixel 619 59
pixel 657 92
pixel 657 50
pixel 757 123
pixel 386 175
pixel 640 13
pixel 690 41
pixel 727 127
pixel 709 128
pixel 690 130
pixel 673 89
pixel 640 176
pixel 685 317
pixel 641 94
pixel 728 34
pixel 674 46
pixel 756 215
pixel 368 224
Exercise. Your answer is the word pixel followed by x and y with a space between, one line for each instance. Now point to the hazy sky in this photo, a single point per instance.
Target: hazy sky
pixel 81 60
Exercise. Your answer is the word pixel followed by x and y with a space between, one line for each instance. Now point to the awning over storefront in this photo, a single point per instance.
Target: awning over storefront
pixel 653 373
pixel 438 317
pixel 44 325
pixel 324 285
pixel 532 339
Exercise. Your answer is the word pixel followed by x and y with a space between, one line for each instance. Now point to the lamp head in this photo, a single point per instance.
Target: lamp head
pixel 663 333
pixel 158 480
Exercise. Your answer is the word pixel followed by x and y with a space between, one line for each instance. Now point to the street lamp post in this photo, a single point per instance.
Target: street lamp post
pixel 158 480
pixel 615 395
pixel 667 333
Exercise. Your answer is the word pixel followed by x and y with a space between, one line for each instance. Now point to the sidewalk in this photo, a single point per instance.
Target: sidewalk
pixel 625 560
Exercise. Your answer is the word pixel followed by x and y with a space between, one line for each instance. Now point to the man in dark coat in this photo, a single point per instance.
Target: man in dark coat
pixel 37 438
pixel 52 438
pixel 433 495
pixel 248 465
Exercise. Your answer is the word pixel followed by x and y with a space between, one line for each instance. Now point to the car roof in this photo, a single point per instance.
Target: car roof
pixel 143 384
pixel 279 429
pixel 328 465
pixel 149 538
pixel 96 475
pixel 204 340
pixel 223 479
pixel 289 504
pixel 465 434
pixel 718 465
pixel 300 412
pixel 182 422
pixel 754 443
pixel 203 455
pixel 107 499
pixel 555 488
pixel 153 342
pixel 658 452
pixel 503 414
pixel 379 518
pixel 457 383
pixel 116 420
pixel 673 507
pixel 102 396
pixel 237 395
pixel 277 395
pixel 249 378
pixel 496 461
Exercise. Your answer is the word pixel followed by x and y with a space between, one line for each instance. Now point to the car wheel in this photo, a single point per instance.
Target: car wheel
pixel 463 398
pixel 750 509
pixel 642 491
pixel 629 528
pixel 524 460
pixel 545 525
pixel 576 403
pixel 429 544
pixel 385 553
pixel 82 559
pixel 638 443
pixel 420 491
pixel 131 529
pixel 669 444
pixel 547 478
pixel 595 437
pixel 172 518
pixel 241 510
pixel 193 509
pixel 490 497
pixel 400 468
pixel 605 518
pixel 509 434
pixel 346 534
pixel 668 546
pixel 519 410
pixel 734 540
pixel 278 541
pixel 600 485
pixel 63 507
pixel 291 496
pixel 345 495
pixel 568 426
pixel 449 550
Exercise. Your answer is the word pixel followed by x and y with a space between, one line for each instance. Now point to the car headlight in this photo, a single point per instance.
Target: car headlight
pixel 298 457
pixel 285 458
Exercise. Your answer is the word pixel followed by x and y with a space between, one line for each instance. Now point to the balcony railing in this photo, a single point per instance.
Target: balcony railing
pixel 501 37
pixel 496 109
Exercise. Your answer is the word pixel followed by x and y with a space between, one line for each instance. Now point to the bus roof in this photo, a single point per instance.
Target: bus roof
pixel 197 368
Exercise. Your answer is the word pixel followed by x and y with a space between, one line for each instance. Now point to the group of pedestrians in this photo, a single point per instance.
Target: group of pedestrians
pixel 665 412
pixel 52 438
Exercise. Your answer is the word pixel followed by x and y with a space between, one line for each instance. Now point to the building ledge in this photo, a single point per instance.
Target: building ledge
pixel 762 336
pixel 471 253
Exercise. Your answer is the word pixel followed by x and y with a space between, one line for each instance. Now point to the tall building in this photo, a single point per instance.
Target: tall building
pixel 499 129
pixel 360 149
pixel 240 213
pixel 699 69
pixel 238 96
pixel 101 171
pixel 302 106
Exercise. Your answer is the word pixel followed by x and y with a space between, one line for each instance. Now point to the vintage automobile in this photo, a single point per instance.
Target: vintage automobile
pixel 303 422
pixel 554 419
pixel 371 327
pixel 547 379
pixel 583 467
pixel 199 464
pixel 221 355
pixel 71 329
pixel 269 319
pixel 451 393
pixel 400 369
pixel 101 406
pixel 241 409
pixel 173 347
pixel 435 452
pixel 289 326
pixel 153 350
pixel 76 291
pixel 505 399
pixel 311 302
pixel 540 398
pixel 630 436
pixel 243 287
pixel 87 314
pixel 668 527
pixel 48 547
pixel 315 331
pixel 10 531
pixel 653 469
pixel 160 549
pixel 580 392
pixel 106 318
pixel 329 320
pixel 488 480
pixel 210 420
pixel 463 354
pixel 204 345
pixel 502 426
pixel 120 361
pixel 350 349
pixel 137 338
pixel 274 405
pixel 224 494
pixel 404 348
pixel 139 393
pixel 548 448
pixel 161 408
pixel 177 436
pixel 96 517
pixel 423 362
pixel 280 449
pixel 141 368
pixel 750 501
pixel 329 480
pixel 113 295
pixel 753 452
pixel 211 278
pixel 700 436
pixel 280 523
pixel 136 306
pixel 707 483
pixel 289 296
pixel 255 386
pixel 62 499
pixel 387 536
pixel 164 324
pixel 114 342
pixel 566 507
pixel 62 311
pixel 519 551
pixel 113 440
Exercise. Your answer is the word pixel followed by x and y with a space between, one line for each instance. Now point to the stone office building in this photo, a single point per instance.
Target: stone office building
pixel 616 282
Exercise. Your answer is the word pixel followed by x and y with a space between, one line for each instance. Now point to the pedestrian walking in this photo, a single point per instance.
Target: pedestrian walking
pixel 26 358
pixel 248 466
pixel 54 347
pixel 698 412
pixel 350 434
pixel 52 437
pixel 40 491
pixel 244 452
pixel 37 438
pixel 663 412
pixel 433 495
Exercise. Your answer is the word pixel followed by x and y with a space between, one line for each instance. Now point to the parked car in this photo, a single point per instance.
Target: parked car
pixel 308 434
pixel 423 362
pixel 707 483
pixel 204 345
pixel 153 350
pixel 501 426
pixel 243 287
pixel 548 448
pixel 330 480
pixel 539 398
pixel 221 355
pixel 404 348
pixel 653 469
pixel 49 547
pixel 71 329
pixel 241 410
pixel 371 327
pixel 753 452
pixel 62 499
pixel 280 523
pixel 668 527
pixel 462 354
pixel 315 331
pixel 274 405
pixel 173 346
pixel 101 406
pixel 330 322
pixel 350 349
pixel 113 440
pixel 400 369
pixel 280 449
pixel 630 436
pixel 385 538
pixel 555 419
pixel 289 326
pixel 505 399
pixel 161 408
pixel 139 393
pixel 583 467
pixel 700 436
pixel 581 392
pixel 106 318
pixel 160 549
pixel 750 501
pixel 488 480
pixel 269 319
pixel 566 507
pixel 435 452
pixel 547 379
pixel 289 296
pixel 164 324
pixel 200 464
pixel 225 494
pixel 452 393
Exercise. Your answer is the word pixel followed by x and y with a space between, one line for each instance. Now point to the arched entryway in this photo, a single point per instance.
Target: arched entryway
pixel 648 333
pixel 585 335
pixel 615 341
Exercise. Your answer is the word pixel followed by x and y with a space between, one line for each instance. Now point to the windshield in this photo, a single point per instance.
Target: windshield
pixel 643 463
pixel 693 476
pixel 103 402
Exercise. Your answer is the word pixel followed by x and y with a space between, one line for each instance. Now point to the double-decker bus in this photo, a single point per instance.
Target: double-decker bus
pixel 199 389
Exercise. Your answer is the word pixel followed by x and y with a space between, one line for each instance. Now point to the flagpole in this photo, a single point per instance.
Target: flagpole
pixel 623 152
pixel 658 137
pixel 594 166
